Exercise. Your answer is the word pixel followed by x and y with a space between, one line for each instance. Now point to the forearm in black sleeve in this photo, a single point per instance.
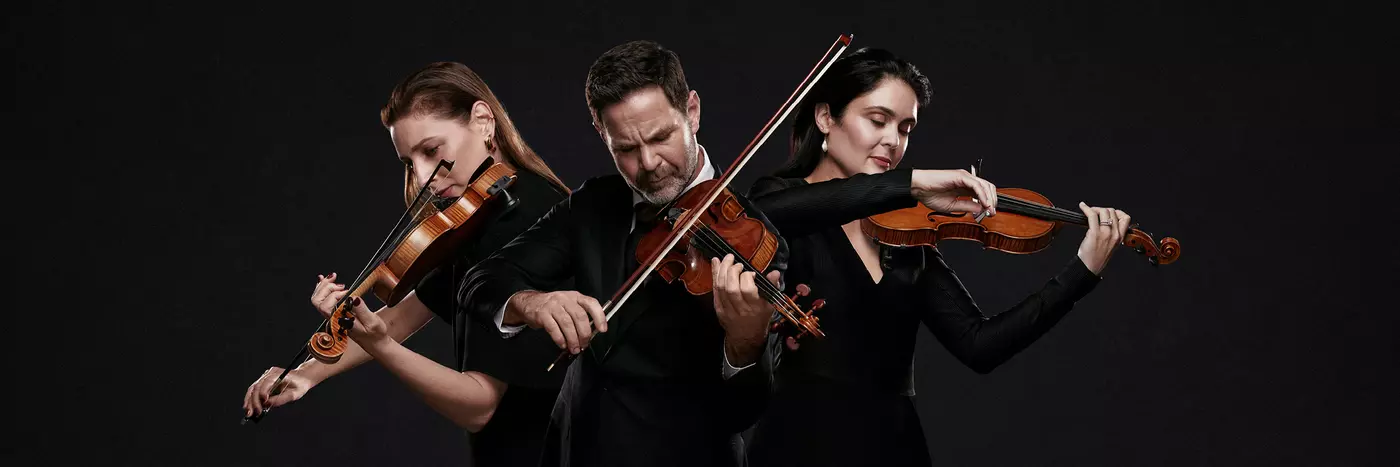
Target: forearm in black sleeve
pixel 800 209
pixel 537 258
pixel 984 343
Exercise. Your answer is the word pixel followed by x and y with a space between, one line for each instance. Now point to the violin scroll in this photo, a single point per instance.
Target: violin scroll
pixel 1164 252
pixel 328 346
pixel 804 321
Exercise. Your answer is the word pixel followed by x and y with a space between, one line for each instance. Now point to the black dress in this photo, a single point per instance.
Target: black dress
pixel 516 430
pixel 861 375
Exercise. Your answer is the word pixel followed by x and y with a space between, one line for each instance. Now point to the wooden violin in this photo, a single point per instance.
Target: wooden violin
pixel 1026 222
pixel 426 235
pixel 723 229
pixel 709 222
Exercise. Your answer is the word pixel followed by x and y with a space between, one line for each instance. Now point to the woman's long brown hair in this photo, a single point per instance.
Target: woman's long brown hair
pixel 448 90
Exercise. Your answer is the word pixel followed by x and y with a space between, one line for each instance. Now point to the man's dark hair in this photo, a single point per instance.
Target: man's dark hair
pixel 633 66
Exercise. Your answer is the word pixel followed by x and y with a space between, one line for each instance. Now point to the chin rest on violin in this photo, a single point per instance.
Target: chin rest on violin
pixel 1026 222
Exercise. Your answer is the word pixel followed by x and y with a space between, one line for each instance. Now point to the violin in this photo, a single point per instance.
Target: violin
pixel 426 235
pixel 709 222
pixel 723 229
pixel 1026 222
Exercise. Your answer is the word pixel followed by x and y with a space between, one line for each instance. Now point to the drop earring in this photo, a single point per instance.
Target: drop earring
pixel 823 144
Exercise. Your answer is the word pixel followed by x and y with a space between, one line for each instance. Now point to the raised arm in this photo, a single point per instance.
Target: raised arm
pixel 984 343
pixel 798 208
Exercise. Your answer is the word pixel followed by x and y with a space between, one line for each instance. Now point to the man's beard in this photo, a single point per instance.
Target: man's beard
pixel 665 185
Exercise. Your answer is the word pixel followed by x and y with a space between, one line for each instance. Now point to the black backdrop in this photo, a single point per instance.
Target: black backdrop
pixel 192 169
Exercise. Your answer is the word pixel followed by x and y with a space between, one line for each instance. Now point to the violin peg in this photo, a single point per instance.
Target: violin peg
pixel 817 305
pixel 803 290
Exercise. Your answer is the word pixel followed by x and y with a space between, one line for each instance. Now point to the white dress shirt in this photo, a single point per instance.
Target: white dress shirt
pixel 707 172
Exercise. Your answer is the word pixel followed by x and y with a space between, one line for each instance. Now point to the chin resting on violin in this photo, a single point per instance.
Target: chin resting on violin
pixel 848 137
pixel 443 114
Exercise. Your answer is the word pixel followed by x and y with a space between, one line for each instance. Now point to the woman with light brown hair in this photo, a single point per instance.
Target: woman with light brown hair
pixel 444 111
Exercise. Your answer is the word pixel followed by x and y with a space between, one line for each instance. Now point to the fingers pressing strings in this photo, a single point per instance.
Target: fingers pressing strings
pixel 706 238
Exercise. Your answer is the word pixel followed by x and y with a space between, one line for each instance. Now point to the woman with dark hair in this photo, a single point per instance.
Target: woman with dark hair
pixel 848 136
pixel 499 391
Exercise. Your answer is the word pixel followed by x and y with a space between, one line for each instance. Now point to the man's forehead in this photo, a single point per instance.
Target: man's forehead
pixel 632 123
pixel 644 109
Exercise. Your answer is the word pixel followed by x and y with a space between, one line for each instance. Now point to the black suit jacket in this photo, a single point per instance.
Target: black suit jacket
pixel 650 391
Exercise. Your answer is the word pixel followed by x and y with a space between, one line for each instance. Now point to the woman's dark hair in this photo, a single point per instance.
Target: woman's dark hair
pixel 848 78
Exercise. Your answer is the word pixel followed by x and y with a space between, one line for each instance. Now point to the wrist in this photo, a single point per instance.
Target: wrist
pixel 1094 267
pixel 742 352
pixel 918 182
pixel 313 372
pixel 375 345
pixel 516 306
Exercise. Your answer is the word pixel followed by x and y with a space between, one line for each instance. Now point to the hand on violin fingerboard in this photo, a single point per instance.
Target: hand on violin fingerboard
pixel 742 312
pixel 1106 228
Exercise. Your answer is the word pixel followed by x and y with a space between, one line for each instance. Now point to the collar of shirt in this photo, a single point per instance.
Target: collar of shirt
pixel 707 172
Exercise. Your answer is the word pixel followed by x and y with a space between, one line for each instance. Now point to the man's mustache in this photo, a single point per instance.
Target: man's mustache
pixel 650 178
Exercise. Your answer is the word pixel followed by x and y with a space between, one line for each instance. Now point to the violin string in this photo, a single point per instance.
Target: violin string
pixel 1037 211
pixel 1021 206
pixel 410 215
pixel 1063 214
pixel 700 239
pixel 767 289
pixel 396 238
pixel 724 246
pixel 711 239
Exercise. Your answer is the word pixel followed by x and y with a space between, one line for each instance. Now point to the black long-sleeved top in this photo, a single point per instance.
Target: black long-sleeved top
pixel 867 357
pixel 512 437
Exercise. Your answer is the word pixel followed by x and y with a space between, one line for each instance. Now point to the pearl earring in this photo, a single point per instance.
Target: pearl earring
pixel 823 144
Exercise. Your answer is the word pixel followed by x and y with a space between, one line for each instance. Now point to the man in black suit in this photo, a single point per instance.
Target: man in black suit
pixel 673 378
